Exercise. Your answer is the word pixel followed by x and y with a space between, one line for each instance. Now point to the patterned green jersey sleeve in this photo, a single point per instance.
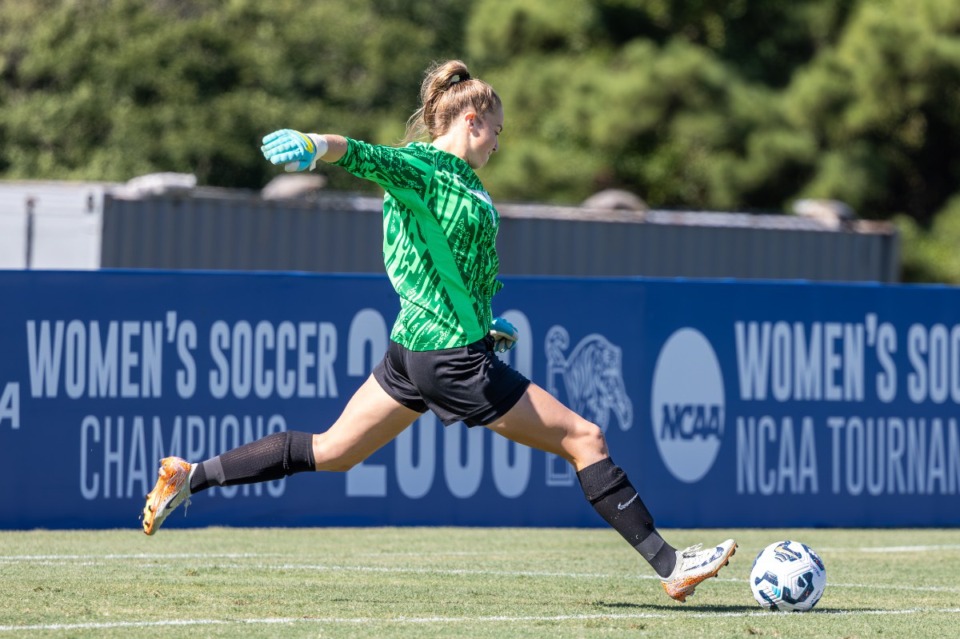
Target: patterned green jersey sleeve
pixel 439 241
pixel 392 168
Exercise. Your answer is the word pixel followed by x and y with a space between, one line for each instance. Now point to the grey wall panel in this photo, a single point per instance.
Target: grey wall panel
pixel 341 233
pixel 544 247
pixel 202 233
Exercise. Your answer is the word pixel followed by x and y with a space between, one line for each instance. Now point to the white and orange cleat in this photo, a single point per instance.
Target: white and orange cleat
pixel 694 565
pixel 171 489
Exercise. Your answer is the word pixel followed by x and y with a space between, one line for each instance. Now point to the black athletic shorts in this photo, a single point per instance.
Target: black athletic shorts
pixel 469 383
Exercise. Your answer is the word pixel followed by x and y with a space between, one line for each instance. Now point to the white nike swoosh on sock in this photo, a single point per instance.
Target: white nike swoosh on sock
pixel 623 506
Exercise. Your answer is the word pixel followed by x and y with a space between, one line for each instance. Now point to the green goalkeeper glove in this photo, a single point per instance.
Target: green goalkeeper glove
pixel 294 150
pixel 504 335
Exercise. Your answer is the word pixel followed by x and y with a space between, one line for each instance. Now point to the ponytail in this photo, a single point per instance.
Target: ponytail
pixel 447 90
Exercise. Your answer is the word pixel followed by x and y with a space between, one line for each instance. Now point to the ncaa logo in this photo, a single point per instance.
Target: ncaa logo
pixel 687 405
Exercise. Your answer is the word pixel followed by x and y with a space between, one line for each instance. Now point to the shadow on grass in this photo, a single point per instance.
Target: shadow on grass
pixel 746 610
pixel 674 607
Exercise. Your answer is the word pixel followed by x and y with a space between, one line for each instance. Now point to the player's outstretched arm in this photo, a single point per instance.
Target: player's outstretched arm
pixel 298 151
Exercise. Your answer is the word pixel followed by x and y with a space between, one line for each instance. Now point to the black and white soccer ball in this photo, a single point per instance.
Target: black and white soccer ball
pixel 788 576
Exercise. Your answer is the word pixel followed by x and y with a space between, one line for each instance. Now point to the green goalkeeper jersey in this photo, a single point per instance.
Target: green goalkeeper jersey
pixel 439 242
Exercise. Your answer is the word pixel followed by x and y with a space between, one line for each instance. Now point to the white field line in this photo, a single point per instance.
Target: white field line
pixel 185 555
pixel 256 555
pixel 93 560
pixel 910 549
pixel 539 573
pixel 108 625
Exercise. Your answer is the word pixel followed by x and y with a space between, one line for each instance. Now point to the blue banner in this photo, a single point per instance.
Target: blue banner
pixel 729 404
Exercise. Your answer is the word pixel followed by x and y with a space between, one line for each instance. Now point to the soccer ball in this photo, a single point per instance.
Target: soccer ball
pixel 788 576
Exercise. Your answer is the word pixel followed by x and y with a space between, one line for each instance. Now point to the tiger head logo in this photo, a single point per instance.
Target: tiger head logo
pixel 591 377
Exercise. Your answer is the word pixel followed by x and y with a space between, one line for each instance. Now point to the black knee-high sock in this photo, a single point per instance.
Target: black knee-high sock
pixel 271 457
pixel 608 490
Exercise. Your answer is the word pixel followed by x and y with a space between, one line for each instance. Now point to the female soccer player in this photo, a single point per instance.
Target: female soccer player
pixel 439 246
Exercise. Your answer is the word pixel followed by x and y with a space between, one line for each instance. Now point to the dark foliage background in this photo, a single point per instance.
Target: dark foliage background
pixel 701 105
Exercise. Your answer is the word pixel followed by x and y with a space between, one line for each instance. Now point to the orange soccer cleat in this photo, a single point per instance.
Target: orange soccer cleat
pixel 171 489
pixel 694 565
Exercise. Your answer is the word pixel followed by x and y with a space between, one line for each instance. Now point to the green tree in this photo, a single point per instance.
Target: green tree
pixel 703 104
pixel 932 255
pixel 111 89
pixel 590 108
pixel 727 105
pixel 766 41
pixel 882 106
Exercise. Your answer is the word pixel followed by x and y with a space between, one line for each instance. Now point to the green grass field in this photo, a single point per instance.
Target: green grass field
pixel 453 582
